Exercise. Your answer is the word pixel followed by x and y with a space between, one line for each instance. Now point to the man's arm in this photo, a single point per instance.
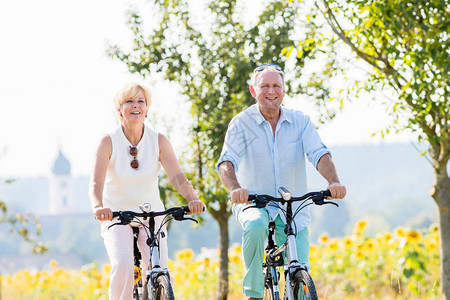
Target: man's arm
pixel 327 169
pixel 228 177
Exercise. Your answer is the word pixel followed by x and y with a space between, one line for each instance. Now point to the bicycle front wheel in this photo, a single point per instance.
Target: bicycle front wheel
pixel 304 288
pixel 163 289
pixel 268 292
pixel 137 289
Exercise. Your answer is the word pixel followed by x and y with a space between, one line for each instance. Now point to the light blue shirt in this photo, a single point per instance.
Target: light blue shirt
pixel 263 163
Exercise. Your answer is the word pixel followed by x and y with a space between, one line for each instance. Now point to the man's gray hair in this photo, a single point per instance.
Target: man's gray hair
pixel 267 69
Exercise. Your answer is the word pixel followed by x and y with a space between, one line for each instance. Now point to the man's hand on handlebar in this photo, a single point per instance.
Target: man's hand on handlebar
pixel 196 207
pixel 240 196
pixel 337 190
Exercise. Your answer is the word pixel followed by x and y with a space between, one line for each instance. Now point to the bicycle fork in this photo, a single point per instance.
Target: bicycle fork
pixel 272 262
pixel 154 268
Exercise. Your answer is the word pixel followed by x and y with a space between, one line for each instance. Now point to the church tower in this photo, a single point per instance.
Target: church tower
pixel 61 187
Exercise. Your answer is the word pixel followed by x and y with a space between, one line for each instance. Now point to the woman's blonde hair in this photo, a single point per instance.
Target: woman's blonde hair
pixel 129 91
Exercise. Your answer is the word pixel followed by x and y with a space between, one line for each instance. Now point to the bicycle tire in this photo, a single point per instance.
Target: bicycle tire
pixel 304 288
pixel 163 289
pixel 136 295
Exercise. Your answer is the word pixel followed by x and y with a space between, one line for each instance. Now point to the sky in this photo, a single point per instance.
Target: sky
pixel 57 86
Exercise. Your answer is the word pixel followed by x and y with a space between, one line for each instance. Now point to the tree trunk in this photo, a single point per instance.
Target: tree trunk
pixel 222 215
pixel 224 245
pixel 441 194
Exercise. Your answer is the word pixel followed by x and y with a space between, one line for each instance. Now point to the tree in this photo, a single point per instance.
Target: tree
pixel 21 223
pixel 406 46
pixel 212 67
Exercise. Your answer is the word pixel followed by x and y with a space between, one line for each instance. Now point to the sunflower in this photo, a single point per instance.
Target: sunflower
pixel 359 228
pixel 333 245
pixel 348 242
pixel 387 237
pixel 370 244
pixel 413 236
pixel 186 254
pixel 431 245
pixel 434 228
pixel 53 264
pixel 107 268
pixel 237 249
pixel 235 259
pixel 361 225
pixel 359 254
pixel 400 231
pixel 323 238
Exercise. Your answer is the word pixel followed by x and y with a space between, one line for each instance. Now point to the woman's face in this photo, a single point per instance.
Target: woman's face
pixel 134 109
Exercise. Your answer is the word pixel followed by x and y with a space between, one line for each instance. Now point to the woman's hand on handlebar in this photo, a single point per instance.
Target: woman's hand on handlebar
pixel 195 206
pixel 103 213
pixel 240 196
pixel 337 190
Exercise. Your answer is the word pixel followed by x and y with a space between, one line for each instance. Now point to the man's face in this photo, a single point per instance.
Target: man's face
pixel 269 92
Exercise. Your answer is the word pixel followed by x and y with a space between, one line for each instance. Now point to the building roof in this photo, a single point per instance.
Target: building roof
pixel 61 166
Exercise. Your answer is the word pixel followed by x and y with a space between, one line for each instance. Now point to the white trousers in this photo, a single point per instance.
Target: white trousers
pixel 119 245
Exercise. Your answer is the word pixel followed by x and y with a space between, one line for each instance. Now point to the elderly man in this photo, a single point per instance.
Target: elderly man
pixel 265 149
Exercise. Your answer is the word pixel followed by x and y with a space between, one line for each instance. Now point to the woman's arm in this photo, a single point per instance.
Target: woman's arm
pixel 176 176
pixel 97 181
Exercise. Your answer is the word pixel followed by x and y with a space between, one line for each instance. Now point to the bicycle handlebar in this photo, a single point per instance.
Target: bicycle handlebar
pixel 318 198
pixel 177 213
pixel 152 214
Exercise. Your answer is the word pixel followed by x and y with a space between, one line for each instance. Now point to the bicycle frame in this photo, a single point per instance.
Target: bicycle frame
pixel 274 255
pixel 154 270
pixel 154 267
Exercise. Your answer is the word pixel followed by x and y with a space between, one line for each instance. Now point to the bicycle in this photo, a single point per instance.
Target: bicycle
pixel 299 284
pixel 157 285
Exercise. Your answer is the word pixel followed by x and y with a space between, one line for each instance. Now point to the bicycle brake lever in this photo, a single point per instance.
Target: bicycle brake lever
pixel 192 219
pixel 113 225
pixel 125 219
pixel 182 218
pixel 259 202
pixel 322 202
pixel 179 215
pixel 250 206
pixel 259 205
pixel 120 223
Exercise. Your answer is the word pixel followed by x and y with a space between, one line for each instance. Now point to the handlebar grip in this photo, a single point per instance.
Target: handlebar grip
pixel 116 214
pixel 326 193
pixel 186 208
pixel 251 197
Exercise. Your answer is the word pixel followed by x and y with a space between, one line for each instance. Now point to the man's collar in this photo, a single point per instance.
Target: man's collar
pixel 255 114
pixel 259 118
pixel 284 116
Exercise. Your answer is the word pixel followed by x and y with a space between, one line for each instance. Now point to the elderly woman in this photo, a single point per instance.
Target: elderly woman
pixel 125 175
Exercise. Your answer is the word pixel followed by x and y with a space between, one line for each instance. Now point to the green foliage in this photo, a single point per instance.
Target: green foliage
pixel 26 225
pixel 391 265
pixel 406 44
pixel 213 68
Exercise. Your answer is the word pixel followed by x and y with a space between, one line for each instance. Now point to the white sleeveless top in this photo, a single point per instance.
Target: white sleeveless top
pixel 126 188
